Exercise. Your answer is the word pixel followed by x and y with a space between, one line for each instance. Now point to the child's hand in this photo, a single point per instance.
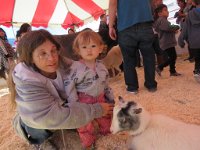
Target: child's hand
pixel 107 109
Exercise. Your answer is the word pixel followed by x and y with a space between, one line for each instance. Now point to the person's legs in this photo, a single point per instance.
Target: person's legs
pixel 156 45
pixel 36 136
pixel 158 50
pixel 191 54
pixel 146 37
pixel 196 53
pixel 128 44
pixel 166 61
pixel 196 71
pixel 138 59
pixel 172 59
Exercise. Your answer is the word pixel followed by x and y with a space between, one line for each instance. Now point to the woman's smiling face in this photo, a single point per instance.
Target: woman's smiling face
pixel 45 57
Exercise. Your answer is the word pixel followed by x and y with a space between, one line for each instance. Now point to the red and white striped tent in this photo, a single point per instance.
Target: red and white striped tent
pixel 45 13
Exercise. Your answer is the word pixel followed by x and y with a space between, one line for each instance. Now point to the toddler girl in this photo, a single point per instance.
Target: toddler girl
pixel 87 82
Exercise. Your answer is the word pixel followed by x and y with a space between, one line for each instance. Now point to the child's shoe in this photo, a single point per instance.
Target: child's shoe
pixel 134 92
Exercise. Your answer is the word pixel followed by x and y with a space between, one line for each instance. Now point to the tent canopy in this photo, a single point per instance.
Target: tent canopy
pixel 58 13
pixel 45 13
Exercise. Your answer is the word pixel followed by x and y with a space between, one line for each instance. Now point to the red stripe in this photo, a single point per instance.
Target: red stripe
pixel 90 7
pixel 44 12
pixel 71 20
pixel 6 12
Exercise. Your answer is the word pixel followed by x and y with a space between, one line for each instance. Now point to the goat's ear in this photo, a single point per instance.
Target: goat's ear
pixel 137 111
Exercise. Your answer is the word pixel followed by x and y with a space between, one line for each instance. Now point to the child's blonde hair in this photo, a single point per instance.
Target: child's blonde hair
pixel 85 37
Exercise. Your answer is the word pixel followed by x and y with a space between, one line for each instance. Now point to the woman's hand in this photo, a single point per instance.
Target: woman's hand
pixel 107 109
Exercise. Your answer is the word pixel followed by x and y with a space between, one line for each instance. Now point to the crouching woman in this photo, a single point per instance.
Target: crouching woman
pixel 38 92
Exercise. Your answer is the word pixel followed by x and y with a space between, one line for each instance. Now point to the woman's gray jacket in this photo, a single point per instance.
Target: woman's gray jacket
pixel 39 103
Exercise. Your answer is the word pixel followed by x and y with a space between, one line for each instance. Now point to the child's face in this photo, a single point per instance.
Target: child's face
pixel 164 12
pixel 90 51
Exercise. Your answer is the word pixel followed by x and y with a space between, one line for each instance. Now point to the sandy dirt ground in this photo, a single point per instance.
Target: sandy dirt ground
pixel 177 97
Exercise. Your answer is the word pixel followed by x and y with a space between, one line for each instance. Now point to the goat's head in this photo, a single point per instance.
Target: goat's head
pixel 125 116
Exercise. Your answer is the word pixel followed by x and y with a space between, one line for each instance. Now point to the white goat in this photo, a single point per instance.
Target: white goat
pixel 151 131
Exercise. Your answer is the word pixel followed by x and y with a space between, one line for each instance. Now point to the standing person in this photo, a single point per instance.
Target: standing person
pixel 88 83
pixel 134 24
pixel 103 23
pixel 156 45
pixel 8 47
pixel 24 28
pixel 3 60
pixel 38 91
pixel 180 15
pixel 7 54
pixel 104 32
pixel 167 40
pixel 189 6
pixel 190 32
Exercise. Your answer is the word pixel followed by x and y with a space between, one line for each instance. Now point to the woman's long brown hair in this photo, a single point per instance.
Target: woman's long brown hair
pixel 25 49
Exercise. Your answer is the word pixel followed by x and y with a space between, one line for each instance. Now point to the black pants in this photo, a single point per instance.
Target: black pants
pixel 170 59
pixel 139 36
pixel 191 53
pixel 156 45
pixel 36 136
pixel 196 53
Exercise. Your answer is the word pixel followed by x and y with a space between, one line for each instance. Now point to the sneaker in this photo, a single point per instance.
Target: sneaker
pixel 133 91
pixel 197 77
pixel 175 74
pixel 152 90
pixel 158 71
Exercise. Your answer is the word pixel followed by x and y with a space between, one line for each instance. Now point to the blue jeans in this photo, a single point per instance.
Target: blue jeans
pixel 139 36
pixel 35 136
